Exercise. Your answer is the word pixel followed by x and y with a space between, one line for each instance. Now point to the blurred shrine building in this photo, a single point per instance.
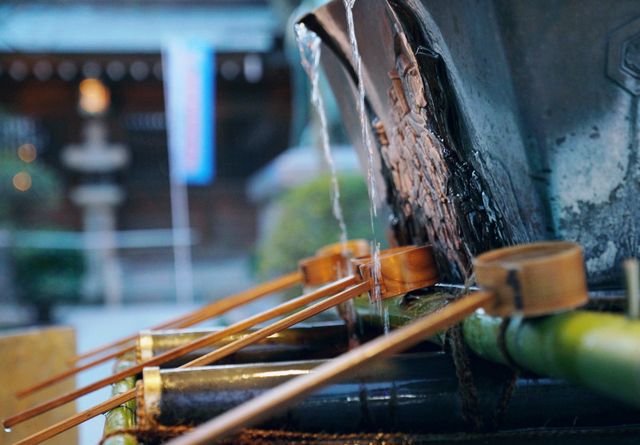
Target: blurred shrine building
pixel 48 51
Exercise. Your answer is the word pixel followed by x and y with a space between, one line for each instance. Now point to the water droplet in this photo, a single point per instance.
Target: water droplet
pixel 7 430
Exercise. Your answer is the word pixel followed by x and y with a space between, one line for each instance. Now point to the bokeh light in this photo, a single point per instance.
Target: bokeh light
pixel 22 181
pixel 94 96
pixel 27 153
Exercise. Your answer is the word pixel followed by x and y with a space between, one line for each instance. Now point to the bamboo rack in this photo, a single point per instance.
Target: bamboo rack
pixel 512 277
pixel 416 262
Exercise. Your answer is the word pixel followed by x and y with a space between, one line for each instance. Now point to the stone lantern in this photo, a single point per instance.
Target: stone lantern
pixel 98 195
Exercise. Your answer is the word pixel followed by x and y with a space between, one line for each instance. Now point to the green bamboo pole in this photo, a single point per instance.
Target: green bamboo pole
pixel 122 417
pixel 596 349
pixel 599 350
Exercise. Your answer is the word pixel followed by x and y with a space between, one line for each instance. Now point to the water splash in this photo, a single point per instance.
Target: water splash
pixel 366 138
pixel 7 429
pixel 309 46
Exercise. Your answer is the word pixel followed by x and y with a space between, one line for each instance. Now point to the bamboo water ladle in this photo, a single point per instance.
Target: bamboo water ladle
pixel 325 267
pixel 420 272
pixel 528 280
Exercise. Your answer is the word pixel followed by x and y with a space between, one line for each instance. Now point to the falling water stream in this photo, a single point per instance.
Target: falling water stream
pixel 364 122
pixel 309 46
pixel 375 299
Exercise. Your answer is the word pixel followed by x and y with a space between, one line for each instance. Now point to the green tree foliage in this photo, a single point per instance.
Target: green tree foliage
pixel 42 277
pixel 306 222
pixel 45 189
pixel 48 276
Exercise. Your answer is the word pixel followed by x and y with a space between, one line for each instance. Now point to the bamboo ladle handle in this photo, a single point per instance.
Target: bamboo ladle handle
pixel 329 264
pixel 215 308
pixel 182 350
pixel 220 353
pixel 212 310
pixel 351 248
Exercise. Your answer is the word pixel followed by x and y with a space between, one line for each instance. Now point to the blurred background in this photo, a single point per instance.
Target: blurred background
pixel 155 155
pixel 85 179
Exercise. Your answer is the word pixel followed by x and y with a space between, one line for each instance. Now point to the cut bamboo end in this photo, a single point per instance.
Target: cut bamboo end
pixel 533 279
pixel 149 397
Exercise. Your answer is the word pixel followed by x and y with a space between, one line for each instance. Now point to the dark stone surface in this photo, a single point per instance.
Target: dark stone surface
pixel 498 122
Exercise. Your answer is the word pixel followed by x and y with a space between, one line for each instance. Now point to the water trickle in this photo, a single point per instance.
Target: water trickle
pixel 364 122
pixel 386 322
pixel 309 46
pixel 375 295
pixel 366 138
